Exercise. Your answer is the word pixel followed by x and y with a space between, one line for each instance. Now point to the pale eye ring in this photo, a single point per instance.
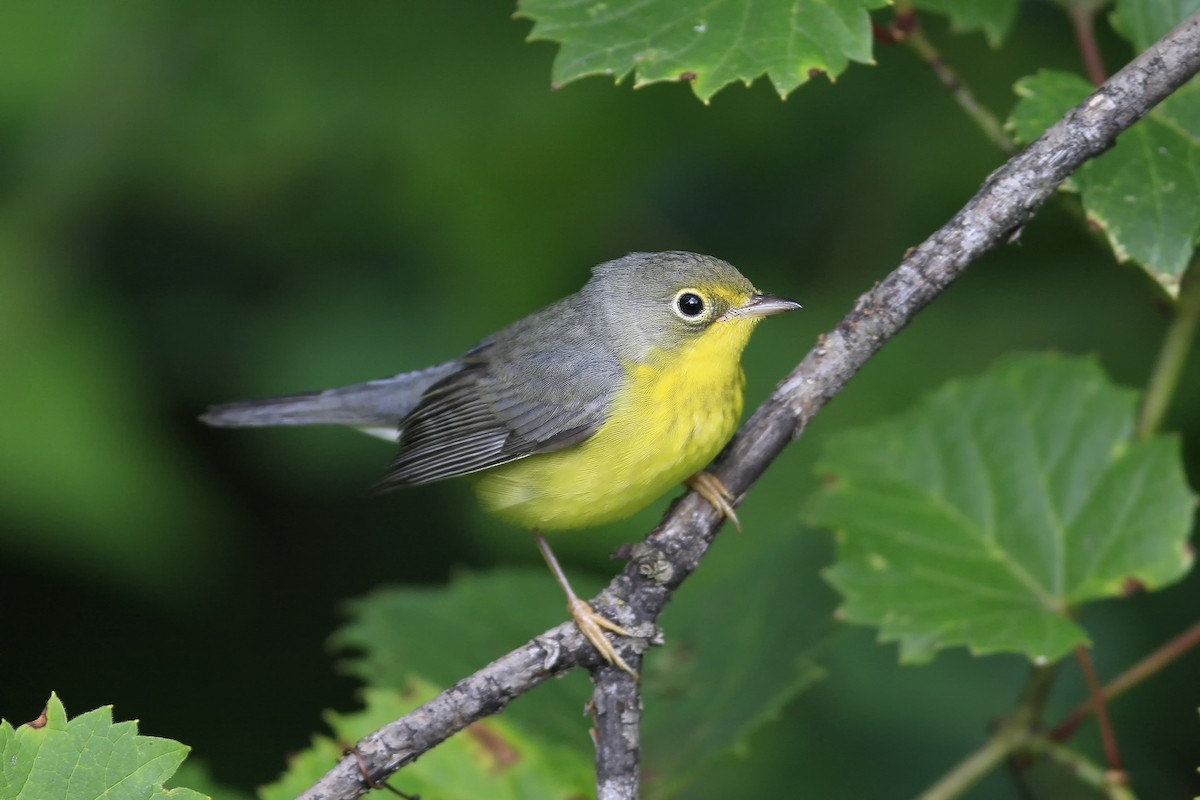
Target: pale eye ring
pixel 689 305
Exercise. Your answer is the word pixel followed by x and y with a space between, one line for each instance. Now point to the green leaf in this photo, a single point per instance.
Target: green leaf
pixel 993 17
pixel 1144 22
pixel 738 644
pixel 493 758
pixel 1145 192
pixel 1145 195
pixel 1044 98
pixel 444 633
pixel 740 641
pixel 986 514
pixel 87 757
pixel 710 44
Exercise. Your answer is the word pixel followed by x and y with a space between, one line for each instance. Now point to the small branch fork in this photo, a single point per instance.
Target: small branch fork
pixel 1108 735
pixel 906 29
pixel 1153 663
pixel 660 563
pixel 617 709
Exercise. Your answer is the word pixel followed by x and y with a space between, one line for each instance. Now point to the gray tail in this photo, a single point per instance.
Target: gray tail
pixel 377 406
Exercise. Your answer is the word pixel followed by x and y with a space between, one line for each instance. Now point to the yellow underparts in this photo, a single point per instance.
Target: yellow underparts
pixel 676 413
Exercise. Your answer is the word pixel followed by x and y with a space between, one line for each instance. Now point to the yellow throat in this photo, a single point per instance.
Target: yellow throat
pixel 674 413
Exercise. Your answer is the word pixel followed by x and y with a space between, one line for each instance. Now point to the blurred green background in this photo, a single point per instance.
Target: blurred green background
pixel 206 202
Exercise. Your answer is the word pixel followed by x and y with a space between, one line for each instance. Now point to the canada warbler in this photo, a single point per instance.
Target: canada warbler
pixel 578 414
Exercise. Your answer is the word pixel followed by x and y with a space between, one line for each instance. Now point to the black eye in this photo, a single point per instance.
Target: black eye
pixel 690 304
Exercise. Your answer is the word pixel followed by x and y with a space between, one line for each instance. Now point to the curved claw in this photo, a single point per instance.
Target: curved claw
pixel 592 625
pixel 709 487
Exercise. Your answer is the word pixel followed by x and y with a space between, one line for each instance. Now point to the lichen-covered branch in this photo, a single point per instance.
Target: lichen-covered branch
pixel 661 563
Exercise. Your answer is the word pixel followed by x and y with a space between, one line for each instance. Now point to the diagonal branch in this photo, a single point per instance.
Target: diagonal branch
pixel 659 564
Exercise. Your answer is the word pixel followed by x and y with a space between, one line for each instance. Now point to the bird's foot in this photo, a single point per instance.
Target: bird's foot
pixel 592 625
pixel 709 487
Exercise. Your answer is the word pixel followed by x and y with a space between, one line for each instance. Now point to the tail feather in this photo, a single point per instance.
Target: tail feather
pixel 378 406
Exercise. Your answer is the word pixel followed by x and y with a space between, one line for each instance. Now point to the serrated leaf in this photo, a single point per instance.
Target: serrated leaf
pixel 1145 192
pixel 986 514
pixel 90 756
pixel 444 633
pixel 196 774
pixel 738 648
pixel 492 758
pixel 711 44
pixel 993 17
pixel 1044 98
pixel 1144 22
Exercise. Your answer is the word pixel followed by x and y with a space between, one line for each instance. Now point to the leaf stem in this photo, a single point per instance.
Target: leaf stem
pixel 1011 736
pixel 1174 353
pixel 1108 734
pixel 1080 766
pixel 1007 739
pixel 905 30
pixel 1150 665
pixel 1037 688
pixel 1083 19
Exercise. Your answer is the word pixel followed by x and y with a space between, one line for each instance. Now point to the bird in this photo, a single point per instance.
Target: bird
pixel 577 415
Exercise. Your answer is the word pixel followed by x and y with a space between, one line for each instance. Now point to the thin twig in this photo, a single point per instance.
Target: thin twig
pixel 988 122
pixel 905 28
pixel 1082 768
pixel 369 781
pixel 1108 734
pixel 1162 657
pixel 1033 697
pixel 1083 20
pixel 1009 738
pixel 660 564
pixel 1185 319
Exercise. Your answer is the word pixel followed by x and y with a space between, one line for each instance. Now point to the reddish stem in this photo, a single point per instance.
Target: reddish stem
pixel 1083 18
pixel 1109 736
pixel 1148 666
pixel 904 22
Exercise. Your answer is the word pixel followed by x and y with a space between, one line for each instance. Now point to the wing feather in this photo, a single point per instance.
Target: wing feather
pixel 501 407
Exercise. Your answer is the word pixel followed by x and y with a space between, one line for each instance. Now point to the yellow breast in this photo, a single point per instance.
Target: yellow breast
pixel 676 412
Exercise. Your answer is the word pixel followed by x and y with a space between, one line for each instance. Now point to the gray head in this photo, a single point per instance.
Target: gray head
pixel 667 300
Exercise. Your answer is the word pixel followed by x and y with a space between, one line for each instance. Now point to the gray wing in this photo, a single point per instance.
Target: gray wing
pixel 497 410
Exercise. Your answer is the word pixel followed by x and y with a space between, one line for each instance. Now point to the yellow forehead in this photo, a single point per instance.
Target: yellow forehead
pixel 724 294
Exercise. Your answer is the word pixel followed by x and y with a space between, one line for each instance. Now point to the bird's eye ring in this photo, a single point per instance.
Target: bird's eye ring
pixel 690 306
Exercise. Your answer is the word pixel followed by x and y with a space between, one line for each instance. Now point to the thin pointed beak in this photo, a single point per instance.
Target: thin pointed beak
pixel 761 305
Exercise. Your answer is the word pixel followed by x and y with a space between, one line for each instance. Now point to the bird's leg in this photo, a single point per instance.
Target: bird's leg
pixel 709 487
pixel 591 624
